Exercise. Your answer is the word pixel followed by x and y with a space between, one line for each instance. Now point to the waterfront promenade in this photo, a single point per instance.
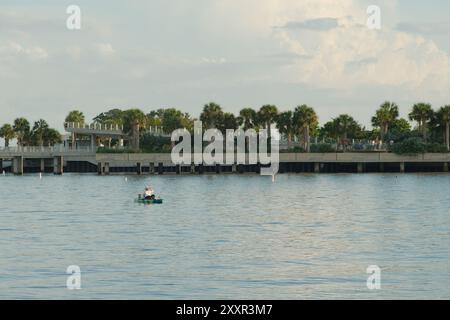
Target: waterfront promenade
pixel 59 160
pixel 289 162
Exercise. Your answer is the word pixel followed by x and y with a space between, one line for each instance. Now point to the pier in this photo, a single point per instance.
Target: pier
pixel 20 160
pixel 59 160
pixel 289 163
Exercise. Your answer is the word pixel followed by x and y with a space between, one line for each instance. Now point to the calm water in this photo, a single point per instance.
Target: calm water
pixel 304 236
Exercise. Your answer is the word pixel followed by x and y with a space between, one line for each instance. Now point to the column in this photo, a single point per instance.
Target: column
pixel 42 165
pixel 445 167
pixel 58 165
pixel 316 167
pixel 381 166
pixel 138 168
pixel 92 141
pixel 360 167
pixel 18 165
pixel 152 168
pixel 193 168
pixel 1 165
pixel 160 168
pixel 233 168
pixel 106 169
pixel 99 168
pixel 402 167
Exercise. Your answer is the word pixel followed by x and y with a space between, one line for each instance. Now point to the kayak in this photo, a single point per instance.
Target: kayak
pixel 153 201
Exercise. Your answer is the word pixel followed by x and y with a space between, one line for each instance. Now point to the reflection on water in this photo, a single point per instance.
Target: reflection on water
pixel 304 236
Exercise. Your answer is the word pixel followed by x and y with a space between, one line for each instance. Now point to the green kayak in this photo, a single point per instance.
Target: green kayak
pixel 153 201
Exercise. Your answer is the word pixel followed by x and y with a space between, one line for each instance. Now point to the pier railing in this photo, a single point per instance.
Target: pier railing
pixel 45 151
pixel 93 126
pixel 156 130
pixel 108 129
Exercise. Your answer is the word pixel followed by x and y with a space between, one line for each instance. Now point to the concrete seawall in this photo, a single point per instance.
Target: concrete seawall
pixel 289 162
pixel 153 163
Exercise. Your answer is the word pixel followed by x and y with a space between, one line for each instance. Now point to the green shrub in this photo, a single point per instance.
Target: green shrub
pixel 410 146
pixel 436 148
pixel 322 148
pixel 112 150
pixel 155 144
pixel 293 150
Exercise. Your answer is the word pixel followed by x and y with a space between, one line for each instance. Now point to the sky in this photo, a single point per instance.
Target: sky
pixel 238 53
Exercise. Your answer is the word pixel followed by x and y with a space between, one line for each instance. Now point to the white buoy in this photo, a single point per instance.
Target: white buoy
pixel 126 179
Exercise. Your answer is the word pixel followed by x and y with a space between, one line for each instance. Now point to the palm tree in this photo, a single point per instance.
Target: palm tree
pixel 22 128
pixel 422 113
pixel 51 137
pixel 267 115
pixel 134 121
pixel 385 117
pixel 211 115
pixel 247 118
pixel 75 116
pixel 305 119
pixel 342 128
pixel 38 131
pixel 285 125
pixel 444 118
pixel 227 121
pixel 7 132
pixel 113 116
pixel 172 119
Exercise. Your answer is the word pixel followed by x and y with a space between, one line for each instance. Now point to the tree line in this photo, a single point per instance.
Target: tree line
pixel 300 124
pixel 38 134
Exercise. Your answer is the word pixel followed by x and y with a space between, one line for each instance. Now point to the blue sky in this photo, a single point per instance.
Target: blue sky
pixel 185 53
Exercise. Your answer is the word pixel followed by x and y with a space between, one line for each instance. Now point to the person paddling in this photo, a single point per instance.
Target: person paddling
pixel 149 194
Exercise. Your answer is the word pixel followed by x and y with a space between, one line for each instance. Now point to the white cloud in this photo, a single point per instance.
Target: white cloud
pixel 214 60
pixel 396 58
pixel 15 50
pixel 105 49
pixel 334 48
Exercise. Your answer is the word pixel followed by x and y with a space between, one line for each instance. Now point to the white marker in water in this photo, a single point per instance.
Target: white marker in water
pixel 126 179
pixel 40 175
